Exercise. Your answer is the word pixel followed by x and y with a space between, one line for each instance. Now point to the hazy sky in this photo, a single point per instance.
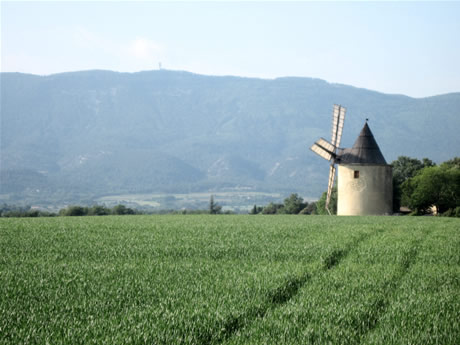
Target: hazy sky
pixel 411 48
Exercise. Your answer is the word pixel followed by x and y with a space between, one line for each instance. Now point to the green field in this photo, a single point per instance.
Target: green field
pixel 230 280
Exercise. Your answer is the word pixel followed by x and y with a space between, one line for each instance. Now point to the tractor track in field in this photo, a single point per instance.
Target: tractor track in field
pixel 275 298
pixel 337 255
pixel 369 320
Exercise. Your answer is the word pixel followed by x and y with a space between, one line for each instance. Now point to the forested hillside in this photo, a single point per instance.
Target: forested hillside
pixel 80 135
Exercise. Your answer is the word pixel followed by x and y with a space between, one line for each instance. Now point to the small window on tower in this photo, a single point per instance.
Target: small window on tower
pixel 356 173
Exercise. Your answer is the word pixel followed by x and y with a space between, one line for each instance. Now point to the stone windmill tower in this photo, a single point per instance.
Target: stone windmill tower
pixel 365 180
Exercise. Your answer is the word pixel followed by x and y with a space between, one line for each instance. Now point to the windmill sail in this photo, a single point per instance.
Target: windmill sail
pixel 338 117
pixel 328 150
pixel 323 148
pixel 330 186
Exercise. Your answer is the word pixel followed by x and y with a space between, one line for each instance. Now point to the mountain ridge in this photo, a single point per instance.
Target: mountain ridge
pixel 224 76
pixel 188 131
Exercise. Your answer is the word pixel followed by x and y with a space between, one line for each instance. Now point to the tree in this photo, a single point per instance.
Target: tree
pixel 310 209
pixel 256 210
pixel 214 208
pixel 426 162
pixel 294 204
pixel 122 210
pixel 452 163
pixel 433 186
pixel 75 211
pixel 404 168
pixel 98 210
pixel 321 203
pixel 272 208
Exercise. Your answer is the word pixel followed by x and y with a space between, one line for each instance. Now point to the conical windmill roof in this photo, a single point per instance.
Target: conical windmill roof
pixel 364 151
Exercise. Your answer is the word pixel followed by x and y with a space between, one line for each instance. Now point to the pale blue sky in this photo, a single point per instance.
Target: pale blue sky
pixel 412 48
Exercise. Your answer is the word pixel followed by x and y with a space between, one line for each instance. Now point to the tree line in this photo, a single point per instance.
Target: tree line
pixel 420 185
pixel 425 187
pixel 75 210
pixel 294 204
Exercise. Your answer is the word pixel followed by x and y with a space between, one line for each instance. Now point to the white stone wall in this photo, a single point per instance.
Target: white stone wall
pixel 369 194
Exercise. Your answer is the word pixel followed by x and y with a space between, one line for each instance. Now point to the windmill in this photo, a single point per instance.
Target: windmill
pixel 328 150
pixel 365 180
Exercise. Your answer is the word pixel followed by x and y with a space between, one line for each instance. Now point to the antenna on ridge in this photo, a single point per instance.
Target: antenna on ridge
pixel 159 66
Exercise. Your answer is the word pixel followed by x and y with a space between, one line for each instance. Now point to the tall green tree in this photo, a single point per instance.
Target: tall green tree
pixel 404 168
pixel 214 208
pixel 98 210
pixel 294 204
pixel 122 210
pixel 321 203
pixel 256 210
pixel 273 208
pixel 75 211
pixel 310 209
pixel 452 163
pixel 433 186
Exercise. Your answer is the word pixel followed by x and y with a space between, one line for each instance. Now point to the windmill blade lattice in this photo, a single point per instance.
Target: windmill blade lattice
pixel 338 118
pixel 323 149
pixel 330 186
pixel 328 150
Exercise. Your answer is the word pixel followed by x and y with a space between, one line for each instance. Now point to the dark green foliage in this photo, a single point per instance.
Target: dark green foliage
pixel 321 203
pixel 23 211
pixel 256 209
pixel 13 211
pixel 294 204
pixel 452 212
pixel 273 208
pixel 122 210
pixel 433 186
pixel 404 168
pixel 74 211
pixel 214 207
pixel 310 209
pixel 452 163
pixel 99 210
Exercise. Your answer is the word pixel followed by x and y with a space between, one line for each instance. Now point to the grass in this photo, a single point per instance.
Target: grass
pixel 230 280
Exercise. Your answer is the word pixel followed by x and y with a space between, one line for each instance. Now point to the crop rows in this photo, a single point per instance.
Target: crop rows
pixel 229 280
